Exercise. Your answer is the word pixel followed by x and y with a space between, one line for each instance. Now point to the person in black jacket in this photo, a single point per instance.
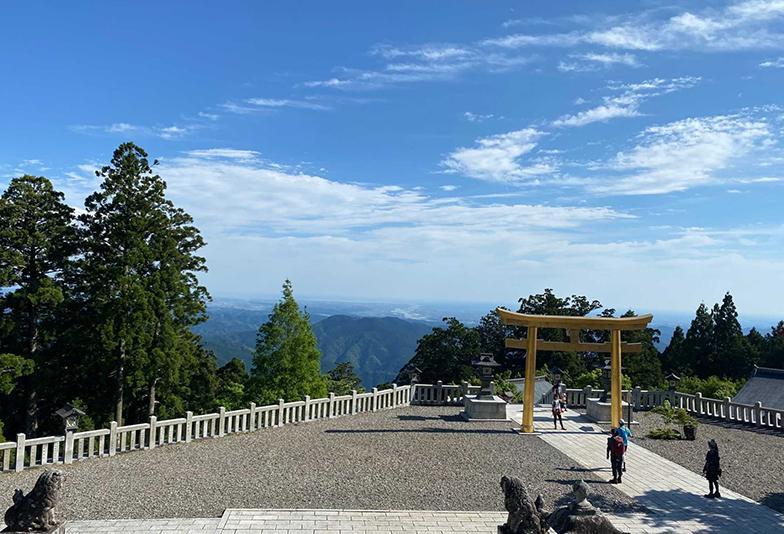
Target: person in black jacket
pixel 712 469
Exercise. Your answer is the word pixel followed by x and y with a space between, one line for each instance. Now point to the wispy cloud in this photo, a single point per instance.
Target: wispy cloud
pixel 684 154
pixel 477 117
pixel 259 104
pixel 163 132
pixel 773 63
pixel 594 61
pixel 745 25
pixel 626 102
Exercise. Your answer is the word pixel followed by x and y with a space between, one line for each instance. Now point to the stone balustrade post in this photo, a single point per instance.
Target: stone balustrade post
pixel 112 438
pixel 698 403
pixel 636 395
pixel 306 417
pixel 188 426
pixel 758 413
pixel 252 418
pixel 20 451
pixel 281 412
pixel 331 409
pixel 374 405
pixel 153 432
pixel 439 392
pixel 394 395
pixel 221 422
pixel 726 414
pixel 353 401
pixel 464 388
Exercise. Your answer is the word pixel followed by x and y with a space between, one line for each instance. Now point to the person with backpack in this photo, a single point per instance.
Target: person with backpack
pixel 615 450
pixel 712 470
pixel 625 432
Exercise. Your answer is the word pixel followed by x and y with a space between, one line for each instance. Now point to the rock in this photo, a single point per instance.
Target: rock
pixel 37 511
pixel 525 516
pixel 580 517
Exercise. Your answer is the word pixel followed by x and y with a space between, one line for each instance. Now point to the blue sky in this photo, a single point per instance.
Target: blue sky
pixel 470 151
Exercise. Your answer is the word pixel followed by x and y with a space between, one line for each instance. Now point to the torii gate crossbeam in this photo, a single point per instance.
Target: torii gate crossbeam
pixel 572 325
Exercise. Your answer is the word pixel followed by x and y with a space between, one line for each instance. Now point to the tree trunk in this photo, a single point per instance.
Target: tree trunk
pixel 31 413
pixel 118 414
pixel 151 406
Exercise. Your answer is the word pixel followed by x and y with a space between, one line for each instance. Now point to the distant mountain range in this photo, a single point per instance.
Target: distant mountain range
pixel 377 338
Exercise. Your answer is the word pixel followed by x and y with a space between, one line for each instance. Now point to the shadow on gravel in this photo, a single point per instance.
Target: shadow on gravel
pixel 445 418
pixel 419 431
pixel 606 504
pixel 774 500
pixel 584 469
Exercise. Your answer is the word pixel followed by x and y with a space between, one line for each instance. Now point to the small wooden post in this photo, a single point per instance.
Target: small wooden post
pixel 529 386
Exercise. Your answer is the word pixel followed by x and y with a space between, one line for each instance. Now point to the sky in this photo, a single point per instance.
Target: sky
pixel 419 151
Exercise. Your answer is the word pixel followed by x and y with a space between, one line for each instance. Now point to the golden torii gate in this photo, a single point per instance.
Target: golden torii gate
pixel 572 325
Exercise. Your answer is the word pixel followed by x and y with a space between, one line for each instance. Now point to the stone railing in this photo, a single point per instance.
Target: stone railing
pixel 440 394
pixel 725 410
pixel 25 453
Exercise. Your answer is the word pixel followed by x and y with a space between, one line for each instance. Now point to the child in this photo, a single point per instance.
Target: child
pixel 712 470
pixel 615 450
pixel 557 412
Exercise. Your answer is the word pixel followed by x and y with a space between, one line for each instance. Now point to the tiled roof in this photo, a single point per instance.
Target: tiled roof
pixel 766 385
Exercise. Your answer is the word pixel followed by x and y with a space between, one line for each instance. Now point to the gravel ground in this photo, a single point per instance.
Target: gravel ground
pixel 422 458
pixel 752 462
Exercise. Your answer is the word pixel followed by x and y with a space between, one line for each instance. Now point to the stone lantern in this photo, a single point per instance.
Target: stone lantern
pixel 672 381
pixel 606 380
pixel 70 416
pixel 485 406
pixel 486 365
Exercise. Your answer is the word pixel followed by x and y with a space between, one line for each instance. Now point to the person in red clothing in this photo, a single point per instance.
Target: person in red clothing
pixel 615 450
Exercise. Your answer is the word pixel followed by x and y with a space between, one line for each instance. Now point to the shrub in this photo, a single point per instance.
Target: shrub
pixel 664 433
pixel 712 387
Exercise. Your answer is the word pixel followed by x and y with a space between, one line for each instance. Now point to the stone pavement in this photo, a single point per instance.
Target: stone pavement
pixel 672 494
pixel 305 522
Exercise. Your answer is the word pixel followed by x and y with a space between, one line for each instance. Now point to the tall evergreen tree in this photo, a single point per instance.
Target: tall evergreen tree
pixel 643 368
pixel 287 362
pixel 774 356
pixel 732 359
pixel 36 238
pixel 138 279
pixel 698 354
pixel 673 357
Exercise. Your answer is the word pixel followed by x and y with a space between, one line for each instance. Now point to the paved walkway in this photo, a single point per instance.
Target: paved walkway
pixel 305 522
pixel 672 493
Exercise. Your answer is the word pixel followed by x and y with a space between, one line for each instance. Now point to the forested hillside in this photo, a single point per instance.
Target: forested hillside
pixel 376 346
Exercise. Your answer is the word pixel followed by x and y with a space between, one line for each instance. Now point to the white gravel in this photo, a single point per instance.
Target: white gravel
pixel 422 458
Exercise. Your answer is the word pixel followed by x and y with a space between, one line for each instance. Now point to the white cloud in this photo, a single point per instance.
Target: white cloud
pixel 164 132
pixel 477 117
pixel 285 103
pixel 449 187
pixel 226 153
pixel 497 158
pixel 745 25
pixel 627 102
pixel 684 154
pixel 773 63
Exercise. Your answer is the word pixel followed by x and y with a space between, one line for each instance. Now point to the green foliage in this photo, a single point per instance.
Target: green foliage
pixel 503 387
pixel 232 383
pixel 444 354
pixel 664 433
pixel 11 368
pixel 712 387
pixel 589 378
pixel 286 363
pixel 342 380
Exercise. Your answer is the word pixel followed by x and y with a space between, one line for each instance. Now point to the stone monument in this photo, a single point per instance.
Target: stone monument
pixel 580 517
pixel 37 511
pixel 525 516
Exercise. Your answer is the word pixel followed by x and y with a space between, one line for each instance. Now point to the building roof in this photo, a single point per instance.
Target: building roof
pixel 766 385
